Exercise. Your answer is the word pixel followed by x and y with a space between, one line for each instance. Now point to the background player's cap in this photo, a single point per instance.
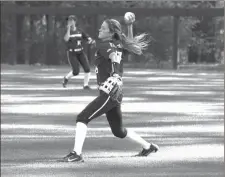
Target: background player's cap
pixel 71 17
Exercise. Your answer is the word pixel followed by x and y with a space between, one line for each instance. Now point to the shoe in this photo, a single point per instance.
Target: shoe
pixel 87 87
pixel 65 81
pixel 146 152
pixel 73 157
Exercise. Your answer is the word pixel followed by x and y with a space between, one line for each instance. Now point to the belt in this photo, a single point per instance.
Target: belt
pixel 75 50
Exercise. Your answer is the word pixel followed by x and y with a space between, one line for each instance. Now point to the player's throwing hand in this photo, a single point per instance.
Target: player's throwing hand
pixel 129 18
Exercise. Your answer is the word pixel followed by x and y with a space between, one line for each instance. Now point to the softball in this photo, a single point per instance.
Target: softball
pixel 129 17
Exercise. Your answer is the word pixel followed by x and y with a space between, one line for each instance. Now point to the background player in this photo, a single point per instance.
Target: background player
pixel 74 40
pixel 110 49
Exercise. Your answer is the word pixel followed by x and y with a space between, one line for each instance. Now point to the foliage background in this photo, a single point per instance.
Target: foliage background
pixel 202 34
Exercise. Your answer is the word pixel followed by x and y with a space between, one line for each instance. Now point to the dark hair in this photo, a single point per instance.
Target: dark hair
pixel 71 17
pixel 135 45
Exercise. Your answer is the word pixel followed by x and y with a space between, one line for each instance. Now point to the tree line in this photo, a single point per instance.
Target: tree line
pixel 199 37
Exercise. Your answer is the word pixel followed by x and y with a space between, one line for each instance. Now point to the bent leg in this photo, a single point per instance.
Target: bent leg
pixel 86 66
pixel 73 61
pixel 82 57
pixel 114 117
pixel 97 107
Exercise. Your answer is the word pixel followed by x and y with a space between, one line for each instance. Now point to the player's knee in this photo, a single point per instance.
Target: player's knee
pixel 87 70
pixel 120 133
pixel 81 119
pixel 75 73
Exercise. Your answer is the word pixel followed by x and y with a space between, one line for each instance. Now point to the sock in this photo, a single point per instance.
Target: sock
pixel 86 78
pixel 69 75
pixel 137 139
pixel 81 130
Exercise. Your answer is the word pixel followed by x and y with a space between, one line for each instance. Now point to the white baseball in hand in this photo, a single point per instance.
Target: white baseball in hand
pixel 129 18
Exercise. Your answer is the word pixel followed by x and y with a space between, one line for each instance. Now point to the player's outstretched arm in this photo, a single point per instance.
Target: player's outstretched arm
pixel 67 35
pixel 129 19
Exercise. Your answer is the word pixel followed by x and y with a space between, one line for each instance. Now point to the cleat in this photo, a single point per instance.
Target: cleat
pixel 73 157
pixel 87 87
pixel 145 152
pixel 65 81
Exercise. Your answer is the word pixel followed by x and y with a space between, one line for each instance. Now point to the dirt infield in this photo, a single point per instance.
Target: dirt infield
pixel 181 111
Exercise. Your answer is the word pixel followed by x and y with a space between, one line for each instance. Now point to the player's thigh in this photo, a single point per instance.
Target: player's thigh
pixel 96 108
pixel 84 62
pixel 73 61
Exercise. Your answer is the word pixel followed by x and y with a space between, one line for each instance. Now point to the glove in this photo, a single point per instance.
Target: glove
pixel 113 87
pixel 117 92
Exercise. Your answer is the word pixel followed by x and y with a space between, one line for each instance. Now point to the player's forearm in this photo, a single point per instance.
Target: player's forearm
pixel 115 68
pixel 67 35
pixel 115 60
pixel 130 31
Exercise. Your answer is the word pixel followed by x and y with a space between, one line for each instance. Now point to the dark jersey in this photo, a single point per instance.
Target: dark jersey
pixel 104 66
pixel 76 39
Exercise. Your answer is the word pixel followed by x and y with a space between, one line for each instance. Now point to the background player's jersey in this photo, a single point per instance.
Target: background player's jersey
pixel 76 39
pixel 103 62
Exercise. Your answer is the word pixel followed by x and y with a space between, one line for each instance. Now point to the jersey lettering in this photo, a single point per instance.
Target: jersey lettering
pixel 78 42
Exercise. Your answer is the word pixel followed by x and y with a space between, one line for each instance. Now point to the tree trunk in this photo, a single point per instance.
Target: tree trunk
pixel 13 51
pixel 19 36
pixel 49 41
pixel 31 40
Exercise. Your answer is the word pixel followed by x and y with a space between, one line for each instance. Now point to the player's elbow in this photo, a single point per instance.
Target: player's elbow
pixel 130 36
pixel 66 39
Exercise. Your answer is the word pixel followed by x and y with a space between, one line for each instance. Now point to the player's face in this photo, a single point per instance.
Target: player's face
pixel 104 32
pixel 72 23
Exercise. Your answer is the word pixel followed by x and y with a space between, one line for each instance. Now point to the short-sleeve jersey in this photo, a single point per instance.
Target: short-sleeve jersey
pixel 103 63
pixel 76 39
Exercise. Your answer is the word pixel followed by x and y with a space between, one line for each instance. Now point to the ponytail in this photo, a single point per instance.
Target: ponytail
pixel 135 45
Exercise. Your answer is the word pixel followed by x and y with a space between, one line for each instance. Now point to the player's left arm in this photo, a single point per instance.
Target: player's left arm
pixel 116 93
pixel 115 57
pixel 114 82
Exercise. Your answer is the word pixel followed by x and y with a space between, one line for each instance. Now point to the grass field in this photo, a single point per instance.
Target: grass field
pixel 181 111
